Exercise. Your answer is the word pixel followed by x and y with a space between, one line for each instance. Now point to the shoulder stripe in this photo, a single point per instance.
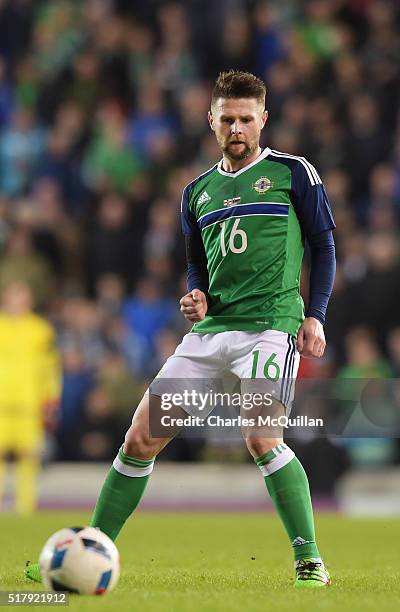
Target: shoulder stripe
pixel 312 173
pixel 305 163
pixel 284 155
pixel 303 160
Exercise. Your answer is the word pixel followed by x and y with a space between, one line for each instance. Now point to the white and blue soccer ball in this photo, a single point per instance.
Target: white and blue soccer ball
pixel 80 560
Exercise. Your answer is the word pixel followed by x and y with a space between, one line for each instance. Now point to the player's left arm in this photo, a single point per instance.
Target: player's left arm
pixel 194 304
pixel 314 212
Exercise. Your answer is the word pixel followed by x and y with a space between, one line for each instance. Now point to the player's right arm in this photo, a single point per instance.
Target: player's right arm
pixel 194 304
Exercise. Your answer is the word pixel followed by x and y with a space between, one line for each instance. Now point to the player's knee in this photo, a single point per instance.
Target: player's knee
pixel 259 446
pixel 138 444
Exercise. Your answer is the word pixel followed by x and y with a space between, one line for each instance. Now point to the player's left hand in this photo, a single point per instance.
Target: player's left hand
pixel 311 338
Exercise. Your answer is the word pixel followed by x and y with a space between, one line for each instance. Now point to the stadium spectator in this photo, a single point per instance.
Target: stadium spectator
pixel 109 162
pixel 80 326
pixel 21 145
pixel 77 382
pixel 364 359
pixel 111 247
pixel 21 262
pixel 147 312
pixel 99 429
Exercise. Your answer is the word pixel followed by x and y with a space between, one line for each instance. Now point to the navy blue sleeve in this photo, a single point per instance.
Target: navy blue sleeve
pixel 188 220
pixel 310 200
pixel 314 213
pixel 322 276
pixel 197 273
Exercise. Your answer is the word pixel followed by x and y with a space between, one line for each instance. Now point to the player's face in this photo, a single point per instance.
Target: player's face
pixel 237 123
pixel 17 299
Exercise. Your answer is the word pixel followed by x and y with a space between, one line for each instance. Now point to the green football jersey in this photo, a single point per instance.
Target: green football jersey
pixel 253 224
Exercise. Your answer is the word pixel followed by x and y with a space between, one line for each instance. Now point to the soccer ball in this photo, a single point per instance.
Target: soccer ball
pixel 80 560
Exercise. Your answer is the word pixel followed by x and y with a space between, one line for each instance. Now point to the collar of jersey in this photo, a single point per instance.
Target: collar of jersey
pixel 262 156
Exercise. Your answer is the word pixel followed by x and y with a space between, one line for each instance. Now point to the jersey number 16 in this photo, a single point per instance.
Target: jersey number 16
pixel 239 234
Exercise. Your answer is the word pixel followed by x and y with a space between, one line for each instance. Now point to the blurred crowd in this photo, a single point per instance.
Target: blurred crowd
pixel 103 121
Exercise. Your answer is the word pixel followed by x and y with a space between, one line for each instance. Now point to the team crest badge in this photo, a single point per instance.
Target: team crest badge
pixel 262 184
pixel 232 201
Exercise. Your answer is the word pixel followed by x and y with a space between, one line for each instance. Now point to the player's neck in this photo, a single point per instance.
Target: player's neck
pixel 233 165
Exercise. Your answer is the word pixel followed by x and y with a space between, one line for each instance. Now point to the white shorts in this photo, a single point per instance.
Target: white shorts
pixel 248 362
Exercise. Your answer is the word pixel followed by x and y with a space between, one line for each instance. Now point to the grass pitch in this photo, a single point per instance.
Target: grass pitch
pixel 221 562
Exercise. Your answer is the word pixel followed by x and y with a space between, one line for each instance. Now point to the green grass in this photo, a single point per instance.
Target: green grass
pixel 222 562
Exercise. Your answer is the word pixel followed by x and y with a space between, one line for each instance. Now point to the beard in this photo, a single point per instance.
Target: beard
pixel 245 152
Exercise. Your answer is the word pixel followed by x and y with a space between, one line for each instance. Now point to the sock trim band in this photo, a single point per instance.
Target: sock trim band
pixel 131 470
pixel 127 460
pixel 270 455
pixel 279 459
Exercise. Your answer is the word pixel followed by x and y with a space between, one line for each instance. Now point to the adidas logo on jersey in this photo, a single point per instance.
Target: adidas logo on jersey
pixel 203 198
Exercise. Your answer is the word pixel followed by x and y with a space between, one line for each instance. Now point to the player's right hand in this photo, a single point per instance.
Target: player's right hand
pixel 194 306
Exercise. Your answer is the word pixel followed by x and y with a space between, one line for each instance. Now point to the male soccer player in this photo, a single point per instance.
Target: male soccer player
pixel 244 221
pixel 30 381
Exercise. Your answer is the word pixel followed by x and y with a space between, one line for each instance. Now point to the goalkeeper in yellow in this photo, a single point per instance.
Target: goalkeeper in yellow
pixel 29 390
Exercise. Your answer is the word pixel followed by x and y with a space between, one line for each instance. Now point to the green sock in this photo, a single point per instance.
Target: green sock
pixel 121 493
pixel 287 484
